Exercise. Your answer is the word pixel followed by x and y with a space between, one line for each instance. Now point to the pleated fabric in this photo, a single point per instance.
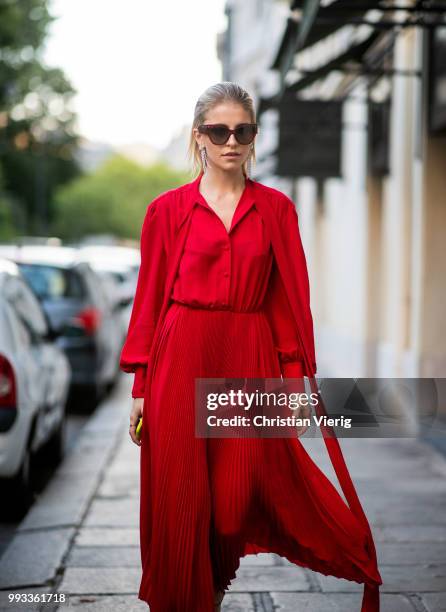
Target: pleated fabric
pixel 206 502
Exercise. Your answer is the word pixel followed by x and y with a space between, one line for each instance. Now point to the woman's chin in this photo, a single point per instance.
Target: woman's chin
pixel 228 163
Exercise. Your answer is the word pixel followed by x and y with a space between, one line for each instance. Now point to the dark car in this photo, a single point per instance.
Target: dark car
pixel 84 321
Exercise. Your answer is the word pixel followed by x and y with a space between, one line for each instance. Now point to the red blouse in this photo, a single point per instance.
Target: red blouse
pixel 230 270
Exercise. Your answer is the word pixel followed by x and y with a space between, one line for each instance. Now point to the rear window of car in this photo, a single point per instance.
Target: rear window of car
pixel 50 282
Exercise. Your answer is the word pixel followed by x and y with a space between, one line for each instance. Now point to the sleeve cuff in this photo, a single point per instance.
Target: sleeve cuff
pixel 292 369
pixel 139 383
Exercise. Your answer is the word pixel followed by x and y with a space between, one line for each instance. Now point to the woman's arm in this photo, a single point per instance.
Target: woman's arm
pixel 278 307
pixel 283 327
pixel 148 300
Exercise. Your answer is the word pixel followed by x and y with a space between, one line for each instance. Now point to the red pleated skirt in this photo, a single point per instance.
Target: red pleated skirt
pixel 206 502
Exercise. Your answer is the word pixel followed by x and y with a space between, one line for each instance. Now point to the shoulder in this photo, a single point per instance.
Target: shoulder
pixel 171 199
pixel 161 201
pixel 278 200
pixel 163 208
pixel 167 210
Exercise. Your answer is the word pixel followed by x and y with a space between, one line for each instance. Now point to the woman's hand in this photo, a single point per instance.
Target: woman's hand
pixel 303 412
pixel 136 413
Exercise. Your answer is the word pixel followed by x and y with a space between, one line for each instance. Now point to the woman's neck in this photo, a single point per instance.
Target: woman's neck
pixel 219 181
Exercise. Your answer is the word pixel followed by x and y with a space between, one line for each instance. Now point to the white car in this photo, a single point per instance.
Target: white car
pixel 34 383
pixel 85 318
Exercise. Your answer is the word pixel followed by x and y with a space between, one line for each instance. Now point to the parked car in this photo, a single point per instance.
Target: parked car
pixel 34 384
pixel 122 263
pixel 84 320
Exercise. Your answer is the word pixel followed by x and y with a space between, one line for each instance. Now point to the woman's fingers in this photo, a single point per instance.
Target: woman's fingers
pixel 304 412
pixel 132 432
pixel 135 415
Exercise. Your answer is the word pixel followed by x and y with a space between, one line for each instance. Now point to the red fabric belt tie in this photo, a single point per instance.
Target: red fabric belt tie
pixel 370 600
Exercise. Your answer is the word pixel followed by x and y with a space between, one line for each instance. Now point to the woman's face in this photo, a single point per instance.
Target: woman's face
pixel 230 114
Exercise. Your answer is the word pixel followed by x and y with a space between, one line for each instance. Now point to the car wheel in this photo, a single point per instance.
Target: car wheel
pixel 53 451
pixel 18 489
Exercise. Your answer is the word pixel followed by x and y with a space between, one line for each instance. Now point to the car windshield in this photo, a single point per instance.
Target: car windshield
pixel 50 282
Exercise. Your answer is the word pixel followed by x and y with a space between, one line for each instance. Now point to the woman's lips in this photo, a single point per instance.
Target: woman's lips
pixel 231 154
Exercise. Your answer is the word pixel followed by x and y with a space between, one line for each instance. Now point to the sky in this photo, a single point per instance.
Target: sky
pixel 138 65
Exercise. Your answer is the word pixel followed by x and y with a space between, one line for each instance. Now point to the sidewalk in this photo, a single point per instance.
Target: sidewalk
pixel 81 536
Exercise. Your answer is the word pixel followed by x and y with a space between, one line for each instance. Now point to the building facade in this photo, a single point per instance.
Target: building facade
pixel 353 127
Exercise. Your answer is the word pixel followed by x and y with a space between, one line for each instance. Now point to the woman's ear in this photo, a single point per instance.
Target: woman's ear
pixel 197 136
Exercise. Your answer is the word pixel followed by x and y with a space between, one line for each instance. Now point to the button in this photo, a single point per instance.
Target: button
pixel 226 274
pixel 226 247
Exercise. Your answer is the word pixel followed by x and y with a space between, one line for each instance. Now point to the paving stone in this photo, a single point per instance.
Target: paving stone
pixel 418 533
pixel 268 579
pixel 122 467
pixel 102 581
pixel 260 559
pixel 33 558
pixel 434 602
pixel 115 513
pixel 115 486
pixel 103 556
pixel 395 580
pixel 97 603
pixel 237 602
pixel 407 512
pixel 335 602
pixel 411 553
pixel 84 459
pixel 27 594
pixel 62 503
pixel 418 488
pixel 106 536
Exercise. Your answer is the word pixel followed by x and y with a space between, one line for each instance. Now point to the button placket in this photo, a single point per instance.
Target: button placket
pixel 226 274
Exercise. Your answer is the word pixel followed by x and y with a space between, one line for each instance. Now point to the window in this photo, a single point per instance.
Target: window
pixel 32 323
pixel 50 282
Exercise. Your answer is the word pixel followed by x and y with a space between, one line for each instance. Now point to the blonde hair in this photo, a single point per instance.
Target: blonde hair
pixel 226 91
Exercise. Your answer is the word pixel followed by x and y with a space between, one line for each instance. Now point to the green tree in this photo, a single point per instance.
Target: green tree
pixel 112 200
pixel 38 140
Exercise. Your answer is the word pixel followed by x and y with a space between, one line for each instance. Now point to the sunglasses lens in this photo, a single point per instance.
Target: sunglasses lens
pixel 218 134
pixel 245 133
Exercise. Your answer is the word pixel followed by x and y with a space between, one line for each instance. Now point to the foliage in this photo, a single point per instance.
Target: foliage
pixel 111 200
pixel 38 140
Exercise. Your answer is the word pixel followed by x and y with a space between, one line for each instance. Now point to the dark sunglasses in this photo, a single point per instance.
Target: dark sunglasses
pixel 219 133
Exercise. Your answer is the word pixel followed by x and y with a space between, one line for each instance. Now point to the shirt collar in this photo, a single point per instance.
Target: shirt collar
pixel 195 197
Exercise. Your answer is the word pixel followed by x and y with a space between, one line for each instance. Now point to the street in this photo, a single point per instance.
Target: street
pixel 42 476
pixel 80 539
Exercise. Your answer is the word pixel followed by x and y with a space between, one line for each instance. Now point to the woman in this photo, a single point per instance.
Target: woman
pixel 223 292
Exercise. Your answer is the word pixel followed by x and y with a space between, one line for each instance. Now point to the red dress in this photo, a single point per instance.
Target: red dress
pixel 206 502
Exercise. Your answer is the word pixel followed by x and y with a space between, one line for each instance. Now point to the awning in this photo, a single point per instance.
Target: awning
pixel 310 23
pixel 354 54
pixel 345 61
pixel 313 27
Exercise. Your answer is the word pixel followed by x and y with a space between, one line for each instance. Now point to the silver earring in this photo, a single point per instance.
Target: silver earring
pixel 249 164
pixel 204 158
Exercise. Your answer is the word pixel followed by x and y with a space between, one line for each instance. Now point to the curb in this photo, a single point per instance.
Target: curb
pixel 45 534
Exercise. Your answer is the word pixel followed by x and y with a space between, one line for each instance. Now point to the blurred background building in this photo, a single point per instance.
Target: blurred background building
pixel 351 105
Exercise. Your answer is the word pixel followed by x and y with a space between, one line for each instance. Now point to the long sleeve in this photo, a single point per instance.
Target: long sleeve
pixel 283 327
pixel 294 248
pixel 288 307
pixel 147 302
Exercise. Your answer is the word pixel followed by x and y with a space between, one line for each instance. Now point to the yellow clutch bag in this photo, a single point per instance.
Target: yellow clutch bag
pixel 138 428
